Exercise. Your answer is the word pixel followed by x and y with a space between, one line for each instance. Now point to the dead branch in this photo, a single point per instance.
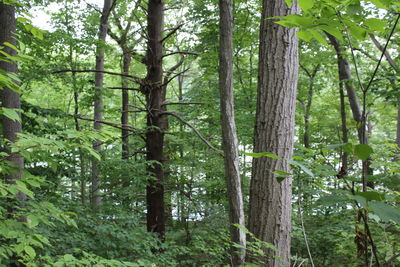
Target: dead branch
pixel 173 30
pixel 136 79
pixel 115 125
pixel 174 114
pixel 124 88
pixel 182 103
pixel 181 53
pixel 166 82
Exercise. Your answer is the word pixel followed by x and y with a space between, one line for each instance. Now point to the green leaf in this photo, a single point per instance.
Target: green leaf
pixel 32 221
pixel 321 39
pixel 332 31
pixel 360 200
pixel 11 113
pixel 288 2
pixel 371 195
pixel 358 32
pixel 11 46
pixel 281 175
pixel 304 168
pixel 378 3
pixel 304 35
pixel 306 4
pixel 375 24
pixel 30 251
pixel 363 151
pixel 262 154
pixel 385 212
pixel 348 148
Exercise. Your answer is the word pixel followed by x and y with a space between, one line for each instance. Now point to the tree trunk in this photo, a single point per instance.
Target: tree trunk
pixel 127 56
pixel 270 200
pixel 98 101
pixel 398 124
pixel 156 121
pixel 229 136
pixel 10 98
pixel 345 138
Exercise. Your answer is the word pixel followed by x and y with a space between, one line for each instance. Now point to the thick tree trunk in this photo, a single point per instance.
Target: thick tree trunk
pixel 10 99
pixel 229 136
pixel 270 200
pixel 98 101
pixel 156 121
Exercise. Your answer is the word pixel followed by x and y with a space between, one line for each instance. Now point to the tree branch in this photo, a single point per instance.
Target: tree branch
pixel 181 53
pixel 174 114
pixel 173 30
pixel 182 103
pixel 136 79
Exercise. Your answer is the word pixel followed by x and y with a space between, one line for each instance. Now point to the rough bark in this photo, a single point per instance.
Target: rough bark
pixel 270 200
pixel 229 136
pixel 156 121
pixel 98 101
pixel 10 99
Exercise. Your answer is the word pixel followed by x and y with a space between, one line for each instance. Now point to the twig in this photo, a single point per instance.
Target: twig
pixel 136 79
pixel 182 103
pixel 181 53
pixel 173 30
pixel 124 88
pixel 383 52
pixel 174 114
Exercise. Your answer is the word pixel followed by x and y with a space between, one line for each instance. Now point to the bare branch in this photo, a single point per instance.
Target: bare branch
pixel 173 30
pixel 181 53
pixel 136 79
pixel 124 88
pixel 115 125
pixel 166 82
pixel 174 114
pixel 385 52
pixel 182 103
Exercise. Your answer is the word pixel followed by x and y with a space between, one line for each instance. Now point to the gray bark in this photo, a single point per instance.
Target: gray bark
pixel 270 201
pixel 10 99
pixel 98 101
pixel 229 136
pixel 345 77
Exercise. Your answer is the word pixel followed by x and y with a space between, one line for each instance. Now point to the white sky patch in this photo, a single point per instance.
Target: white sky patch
pixel 41 15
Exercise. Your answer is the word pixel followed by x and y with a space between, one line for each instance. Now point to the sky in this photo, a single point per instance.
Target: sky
pixel 41 18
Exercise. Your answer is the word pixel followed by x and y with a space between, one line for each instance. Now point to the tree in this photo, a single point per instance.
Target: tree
pixel 98 101
pixel 229 136
pixel 270 197
pixel 10 97
pixel 156 120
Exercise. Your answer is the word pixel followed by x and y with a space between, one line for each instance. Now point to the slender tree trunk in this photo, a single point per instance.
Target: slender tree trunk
pixel 98 101
pixel 398 124
pixel 156 121
pixel 127 56
pixel 345 77
pixel 345 138
pixel 270 200
pixel 229 136
pixel 10 98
